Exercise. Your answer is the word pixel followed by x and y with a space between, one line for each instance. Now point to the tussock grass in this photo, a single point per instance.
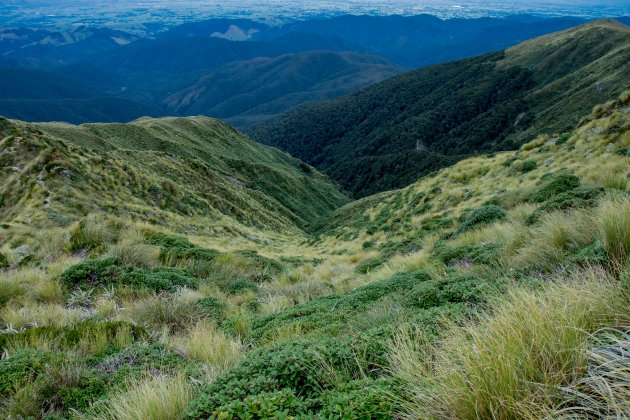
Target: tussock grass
pixel 615 228
pixel 206 342
pixel 603 391
pixel 157 399
pixel 514 363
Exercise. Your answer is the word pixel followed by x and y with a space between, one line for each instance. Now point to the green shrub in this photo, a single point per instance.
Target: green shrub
pixel 439 292
pixel 488 253
pixel 370 265
pixel 576 198
pixel 92 273
pixel 438 223
pixel 24 366
pixel 367 245
pixel 85 332
pixel 528 166
pixel 267 405
pixel 408 245
pixel 175 248
pixel 260 263
pixel 291 367
pixel 563 139
pixel 3 261
pixel 360 399
pixel 559 184
pixel 622 151
pixel 211 307
pixel 481 217
pixel 330 315
pixel 509 161
pixel 240 285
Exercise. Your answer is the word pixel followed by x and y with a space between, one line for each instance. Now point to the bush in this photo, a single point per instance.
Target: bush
pixel 622 151
pixel 3 261
pixel 267 405
pixel 360 399
pixel 175 248
pixel 560 183
pixel 576 198
pixel 294 367
pixel 211 307
pixel 528 166
pixel 433 293
pixel 92 273
pixel 488 253
pixel 24 366
pixel 481 217
pixel 240 285
pixel 370 265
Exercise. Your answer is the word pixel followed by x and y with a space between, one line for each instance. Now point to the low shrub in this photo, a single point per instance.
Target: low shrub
pixel 24 366
pixel 361 399
pixel 439 292
pixel 92 273
pixel 4 262
pixel 576 198
pixel 487 253
pixel 482 216
pixel 370 265
pixel 622 151
pixel 266 405
pixel 293 367
pixel 211 307
pixel 559 184
pixel 240 285
pixel 528 166
pixel 175 248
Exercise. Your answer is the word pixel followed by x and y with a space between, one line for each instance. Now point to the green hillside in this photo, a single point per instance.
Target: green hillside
pixel 495 288
pixel 389 134
pixel 197 171
pixel 249 91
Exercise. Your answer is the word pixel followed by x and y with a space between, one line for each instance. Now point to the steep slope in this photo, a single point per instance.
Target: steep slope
pixel 16 82
pixel 37 95
pixel 167 171
pixel 391 133
pixel 249 91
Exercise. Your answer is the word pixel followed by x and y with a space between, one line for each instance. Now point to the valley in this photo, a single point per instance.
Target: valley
pixel 451 242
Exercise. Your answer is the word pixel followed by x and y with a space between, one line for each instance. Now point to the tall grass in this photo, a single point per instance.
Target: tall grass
pixel 604 390
pixel 516 361
pixel 206 342
pixel 614 223
pixel 157 399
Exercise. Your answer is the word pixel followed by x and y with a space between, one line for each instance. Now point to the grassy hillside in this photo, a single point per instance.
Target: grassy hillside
pixel 495 288
pixel 389 134
pixel 249 91
pixel 197 171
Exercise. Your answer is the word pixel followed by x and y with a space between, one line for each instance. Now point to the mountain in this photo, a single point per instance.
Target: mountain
pixel 160 170
pixel 232 29
pixel 16 82
pixel 37 95
pixel 389 134
pixel 421 40
pixel 249 91
pixel 46 48
pixel 119 245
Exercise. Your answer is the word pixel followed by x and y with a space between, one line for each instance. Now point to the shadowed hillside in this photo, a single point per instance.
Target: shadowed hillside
pixel 389 134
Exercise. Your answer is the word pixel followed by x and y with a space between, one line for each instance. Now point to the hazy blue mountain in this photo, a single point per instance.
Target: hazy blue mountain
pixel 248 91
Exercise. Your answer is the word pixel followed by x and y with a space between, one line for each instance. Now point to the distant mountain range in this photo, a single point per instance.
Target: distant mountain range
pixel 387 135
pixel 235 69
